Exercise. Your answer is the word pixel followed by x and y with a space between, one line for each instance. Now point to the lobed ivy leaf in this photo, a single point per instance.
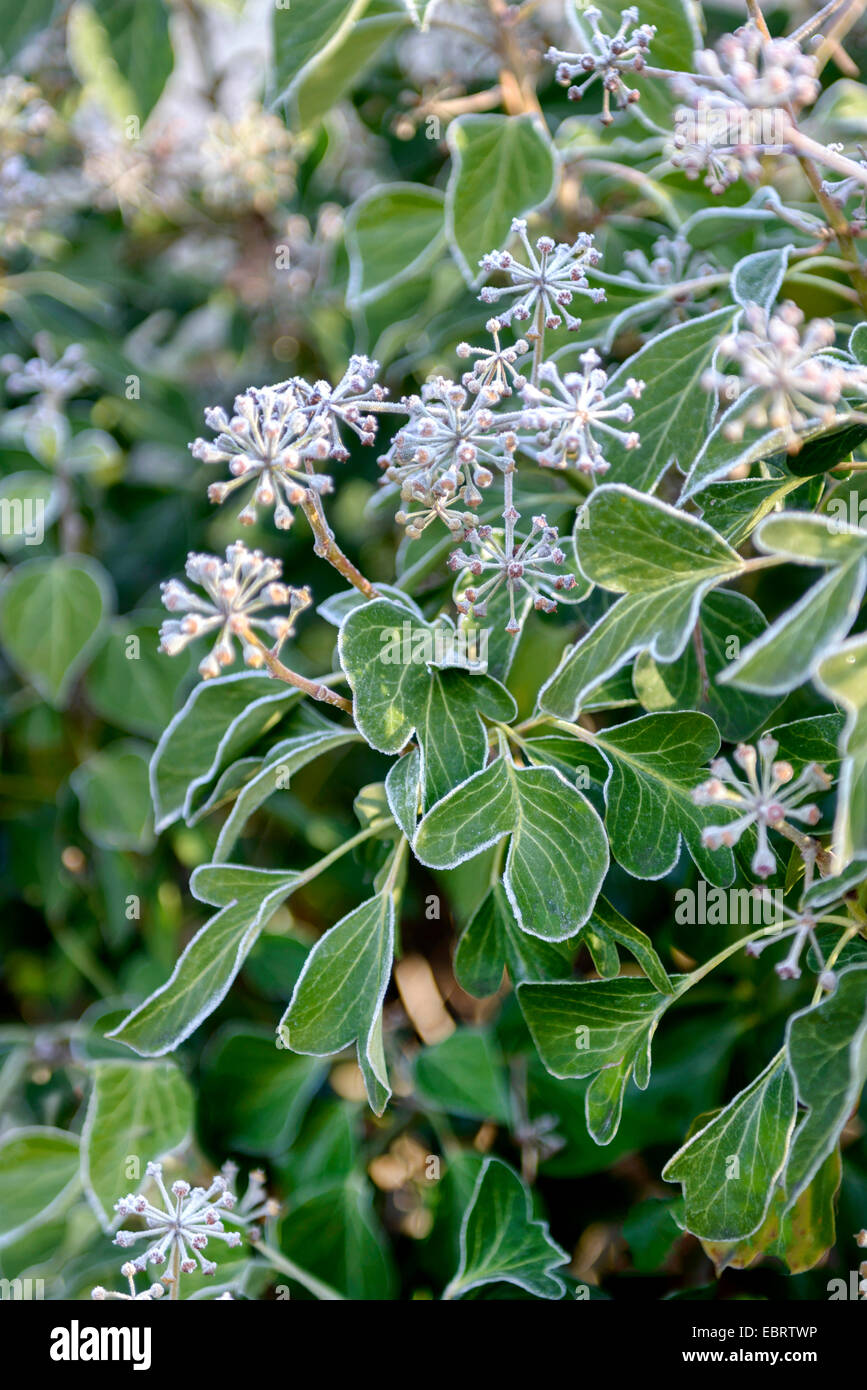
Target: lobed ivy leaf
pixel 135 1108
pixel 663 562
pixel 731 1165
pixel 395 697
pixel 826 1050
pixel 598 1028
pixel 338 998
pixel 393 232
pixel 501 1242
pixel 558 853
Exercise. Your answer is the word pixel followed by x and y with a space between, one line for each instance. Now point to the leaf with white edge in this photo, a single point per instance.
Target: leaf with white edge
pixel 558 853
pixel 502 1242
pixel 219 721
pixel 397 691
pixel 274 774
pixel 663 562
pixel 135 1108
pixel 826 1049
pixel 735 507
pixel 38 1177
pixel 338 998
pixel 828 890
pixel 403 791
pixel 584 1027
pixel 32 502
pixel 304 35
pixel 843 677
pixel 203 975
pixel 672 413
pixel 609 926
pixel 502 167
pixel 114 798
pixel 493 941
pixel 337 608
pixel 757 279
pixel 731 1166
pixel 393 232
pixel 333 76
pixel 791 648
pixel 51 616
pixel 464 1075
pixel 728 621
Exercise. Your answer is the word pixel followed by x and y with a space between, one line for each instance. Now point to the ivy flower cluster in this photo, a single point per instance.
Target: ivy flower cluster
pixel 277 433
pixel 494 366
pixel 50 379
pixel 525 566
pixel 566 417
pixel 610 59
pixel 177 1233
pixel 748 69
pixel 237 589
pixel 795 382
pixel 247 162
pixel 548 282
pixel 801 931
pixel 767 795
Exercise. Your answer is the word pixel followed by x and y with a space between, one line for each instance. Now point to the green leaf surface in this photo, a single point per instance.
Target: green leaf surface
pixel 464 1075
pixel 392 233
pixel 38 1177
pixel 51 614
pixel 493 941
pixel 501 1242
pixel 843 677
pixel 259 1091
pixel 138 1111
pixel 114 797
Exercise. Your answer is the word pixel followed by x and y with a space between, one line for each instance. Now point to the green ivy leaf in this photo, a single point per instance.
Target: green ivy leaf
pixel 663 562
pixel 843 677
pixel 221 719
pixel 730 1167
pixel 493 941
pixel 130 683
pixel 333 1231
pixel 51 614
pixel 393 232
pixel 304 35
pixel 464 1075
pixel 672 413
pixel 395 697
pixel 203 975
pixel 728 620
pixel 558 853
pixel 259 1091
pixel 501 1242
pixel 338 998
pixel 502 167
pixel 38 1178
pixel 140 1110
pixel 114 797
pixel 403 791
pixel 826 1049
pixel 140 44
pixel 758 278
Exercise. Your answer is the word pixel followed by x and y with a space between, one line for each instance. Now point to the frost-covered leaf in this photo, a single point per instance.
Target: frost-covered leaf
pixel 493 941
pixel 728 622
pixel 392 233
pixel 558 854
pixel 38 1177
pixel 663 562
pixel 397 691
pixel 672 413
pixel 730 1167
pixel 140 1110
pixel 598 1028
pixel 220 720
pixel 203 975
pixel 843 677
pixel 502 167
pixel 757 278
pixel 403 791
pixel 501 1242
pixel 338 998
pixel 826 1049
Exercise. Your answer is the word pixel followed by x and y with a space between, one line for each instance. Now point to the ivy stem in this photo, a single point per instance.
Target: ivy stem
pixel 698 644
pixel 809 848
pixel 278 1261
pixel 326 547
pixel 315 689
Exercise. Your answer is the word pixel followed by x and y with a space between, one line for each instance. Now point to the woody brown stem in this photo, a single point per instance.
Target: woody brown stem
pixel 315 689
pixel 810 848
pixel 326 547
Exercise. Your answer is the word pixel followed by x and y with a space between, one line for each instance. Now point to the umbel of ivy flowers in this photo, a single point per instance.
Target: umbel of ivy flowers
pixel 237 590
